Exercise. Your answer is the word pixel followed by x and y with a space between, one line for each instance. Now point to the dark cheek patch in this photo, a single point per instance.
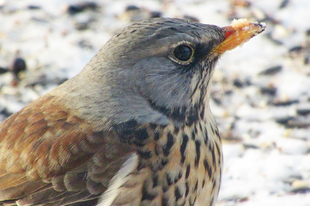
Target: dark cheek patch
pixel 203 49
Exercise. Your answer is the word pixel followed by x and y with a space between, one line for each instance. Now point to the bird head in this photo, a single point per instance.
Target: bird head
pixel 159 70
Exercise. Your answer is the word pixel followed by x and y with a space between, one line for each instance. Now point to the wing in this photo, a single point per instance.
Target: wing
pixel 50 156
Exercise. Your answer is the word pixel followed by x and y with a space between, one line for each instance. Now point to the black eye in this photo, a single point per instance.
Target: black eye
pixel 183 53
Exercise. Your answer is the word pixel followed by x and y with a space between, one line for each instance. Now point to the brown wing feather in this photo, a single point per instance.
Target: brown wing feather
pixel 49 156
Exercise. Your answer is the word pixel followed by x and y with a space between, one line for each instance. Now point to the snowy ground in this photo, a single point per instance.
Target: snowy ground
pixel 261 91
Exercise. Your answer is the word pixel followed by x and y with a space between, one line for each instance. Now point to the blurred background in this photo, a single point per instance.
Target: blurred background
pixel 260 91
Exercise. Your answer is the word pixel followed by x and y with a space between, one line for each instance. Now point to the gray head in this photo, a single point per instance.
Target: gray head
pixel 153 71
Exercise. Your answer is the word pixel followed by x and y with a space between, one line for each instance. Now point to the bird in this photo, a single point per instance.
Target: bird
pixel 134 127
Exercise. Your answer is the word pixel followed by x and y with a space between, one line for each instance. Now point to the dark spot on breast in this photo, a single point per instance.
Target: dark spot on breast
pixel 179 114
pixel 146 195
pixel 212 201
pixel 217 132
pixel 141 134
pixel 206 138
pixel 192 201
pixel 212 129
pixel 193 135
pixel 214 183
pixel 169 179
pixel 163 164
pixel 168 145
pixel 157 149
pixel 213 157
pixel 162 127
pixel 188 169
pixel 202 113
pixel 177 193
pixel 125 130
pixel 186 189
pixel 196 186
pixel 129 124
pixel 155 181
pixel 192 116
pixel 138 143
pixel 153 126
pixel 218 152
pixel 144 154
pixel 183 147
pixel 195 129
pixel 211 149
pixel 197 158
pixel 130 133
pixel 141 165
pixel 203 182
pixel 207 168
pixel 164 201
pixel 180 174
pixel 176 130
pixel 200 126
pixel 156 135
pixel 165 187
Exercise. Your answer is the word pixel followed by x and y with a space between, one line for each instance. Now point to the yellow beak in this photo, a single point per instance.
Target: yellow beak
pixel 239 32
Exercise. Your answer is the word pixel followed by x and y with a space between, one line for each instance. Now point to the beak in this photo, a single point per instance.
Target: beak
pixel 239 32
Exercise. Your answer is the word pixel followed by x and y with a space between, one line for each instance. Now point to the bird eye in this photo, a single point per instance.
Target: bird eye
pixel 183 54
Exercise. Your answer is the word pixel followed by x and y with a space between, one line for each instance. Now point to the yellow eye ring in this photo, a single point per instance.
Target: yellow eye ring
pixel 183 54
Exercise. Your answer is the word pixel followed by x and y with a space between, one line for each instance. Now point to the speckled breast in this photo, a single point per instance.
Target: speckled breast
pixel 175 166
